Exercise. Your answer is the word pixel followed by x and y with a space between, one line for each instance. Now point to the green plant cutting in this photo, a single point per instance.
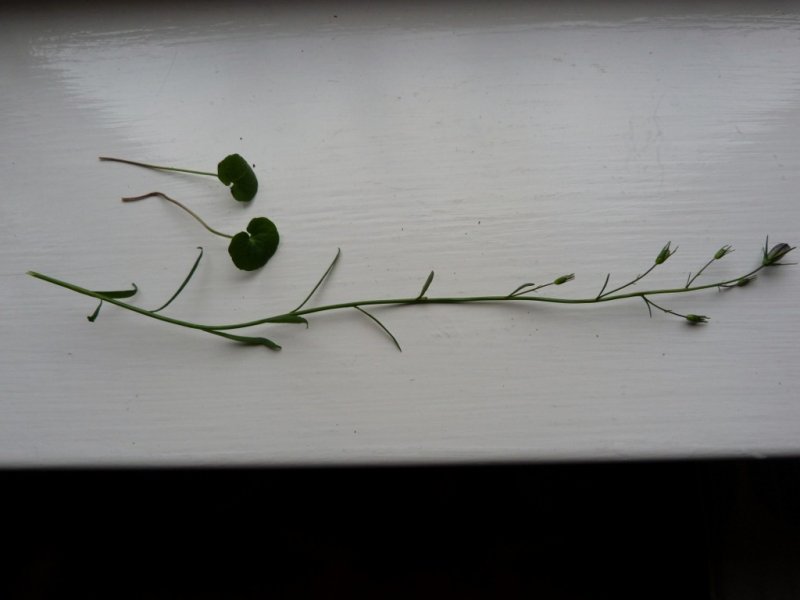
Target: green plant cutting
pixel 233 171
pixel 527 292
pixel 250 249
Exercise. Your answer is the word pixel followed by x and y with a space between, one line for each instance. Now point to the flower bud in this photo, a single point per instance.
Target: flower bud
pixel 722 252
pixel 664 254
pixel 778 252
pixel 696 319
pixel 564 279
pixel 745 281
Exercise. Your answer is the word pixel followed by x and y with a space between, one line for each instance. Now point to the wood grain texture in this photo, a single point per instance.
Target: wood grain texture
pixel 495 145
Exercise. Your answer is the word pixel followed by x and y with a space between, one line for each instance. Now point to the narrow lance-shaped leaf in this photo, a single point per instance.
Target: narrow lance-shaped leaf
pixel 120 293
pixel 381 325
pixel 321 279
pixel 288 319
pixel 183 285
pixel 425 286
pixel 111 294
pixel 518 290
pixel 246 339
pixel 91 318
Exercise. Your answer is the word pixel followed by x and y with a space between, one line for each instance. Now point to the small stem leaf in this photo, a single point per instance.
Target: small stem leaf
pixel 183 285
pixel 647 304
pixel 519 291
pixel 119 293
pixel 425 286
pixel 251 249
pixel 112 294
pixel 91 318
pixel 603 289
pixel 233 170
pixel 381 325
pixel 246 339
pixel 321 279
pixel 288 319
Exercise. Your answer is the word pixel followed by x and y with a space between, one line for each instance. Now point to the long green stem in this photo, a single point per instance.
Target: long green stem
pixel 157 167
pixel 771 257
pixel 179 205
pixel 403 301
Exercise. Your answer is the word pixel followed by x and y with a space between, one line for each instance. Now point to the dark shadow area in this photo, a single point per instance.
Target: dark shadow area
pixel 653 530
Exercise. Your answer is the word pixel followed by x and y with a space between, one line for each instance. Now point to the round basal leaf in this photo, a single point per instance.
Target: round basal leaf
pixel 251 249
pixel 233 170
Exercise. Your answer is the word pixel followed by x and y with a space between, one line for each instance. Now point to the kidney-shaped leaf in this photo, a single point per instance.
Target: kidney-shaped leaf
pixel 233 170
pixel 251 249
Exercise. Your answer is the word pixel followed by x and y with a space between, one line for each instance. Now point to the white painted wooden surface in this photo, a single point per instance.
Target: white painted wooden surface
pixel 493 142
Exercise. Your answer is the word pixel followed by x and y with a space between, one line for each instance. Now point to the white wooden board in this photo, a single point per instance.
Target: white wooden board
pixel 495 143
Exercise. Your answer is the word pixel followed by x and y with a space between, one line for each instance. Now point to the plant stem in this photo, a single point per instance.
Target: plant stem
pixel 110 300
pixel 178 204
pixel 666 311
pixel 691 279
pixel 407 301
pixel 157 167
pixel 601 296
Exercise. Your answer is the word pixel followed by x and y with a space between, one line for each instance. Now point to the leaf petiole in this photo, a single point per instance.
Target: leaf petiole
pixel 249 250
pixel 156 167
pixel 233 171
pixel 181 206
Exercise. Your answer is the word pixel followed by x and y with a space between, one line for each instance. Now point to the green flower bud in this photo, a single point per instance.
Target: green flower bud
pixel 696 319
pixel 665 254
pixel 745 281
pixel 778 252
pixel 722 252
pixel 564 279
